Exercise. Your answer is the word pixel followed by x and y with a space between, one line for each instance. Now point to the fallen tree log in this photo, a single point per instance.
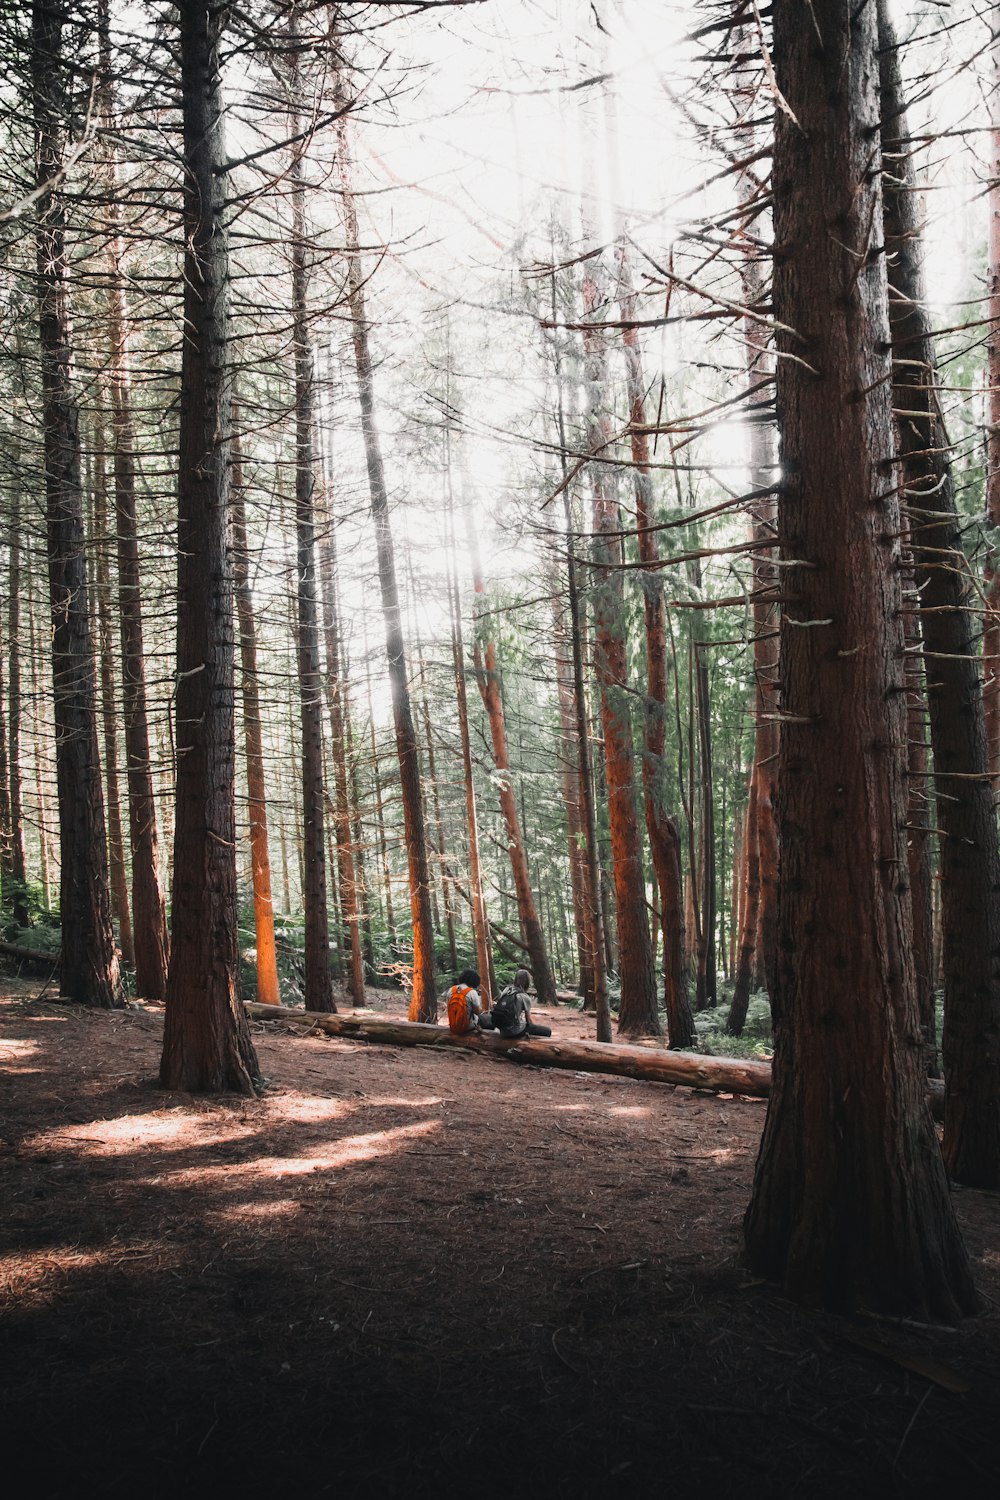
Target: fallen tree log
pixel 694 1070
pixel 29 955
pixel 654 1065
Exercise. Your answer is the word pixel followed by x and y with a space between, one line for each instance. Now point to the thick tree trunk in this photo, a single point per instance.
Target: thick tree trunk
pixel 206 1039
pixel 268 992
pixel 850 1204
pixel 991 580
pixel 424 999
pixel 318 990
pixel 89 968
pixel 484 657
pixel 970 854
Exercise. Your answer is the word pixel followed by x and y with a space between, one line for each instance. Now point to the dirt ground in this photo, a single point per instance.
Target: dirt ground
pixel 412 1273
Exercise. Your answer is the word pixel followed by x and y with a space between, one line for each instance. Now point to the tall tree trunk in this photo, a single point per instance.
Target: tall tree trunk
pixel 442 855
pixel 850 1203
pixel 89 967
pixel 149 916
pixel 765 610
pixel 268 989
pixel 707 995
pixel 970 854
pixel 594 967
pixel 5 820
pixel 480 920
pixel 569 772
pixel 661 825
pixel 317 990
pixel 106 659
pixel 637 1013
pixel 423 1004
pixel 390 917
pixel 918 827
pixel 42 801
pixel 991 632
pixel 206 1039
pixel 484 656
pixel 336 690
pixel 16 799
pixel 737 1017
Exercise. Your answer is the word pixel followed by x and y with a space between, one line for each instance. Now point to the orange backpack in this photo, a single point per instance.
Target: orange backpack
pixel 458 1011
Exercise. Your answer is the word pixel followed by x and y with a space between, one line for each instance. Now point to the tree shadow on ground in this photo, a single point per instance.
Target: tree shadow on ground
pixel 406 1274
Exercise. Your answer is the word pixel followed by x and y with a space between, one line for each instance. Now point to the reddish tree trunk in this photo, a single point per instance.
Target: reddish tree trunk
pixel 206 1039
pixel 488 680
pixel 268 990
pixel 850 1204
pixel 637 1014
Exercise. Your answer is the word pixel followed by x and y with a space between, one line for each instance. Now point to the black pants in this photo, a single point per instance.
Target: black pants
pixel 486 1023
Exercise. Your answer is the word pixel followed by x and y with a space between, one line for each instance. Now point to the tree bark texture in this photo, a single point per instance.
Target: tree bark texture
pixel 850 1204
pixel 637 1013
pixel 89 969
pixel 336 694
pixel 206 1039
pixel 480 919
pixel 991 579
pixel 484 656
pixel 318 990
pixel 970 853
pixel 268 992
pixel 106 659
pixel 149 917
pixel 661 824
pixel 423 1004
pixel 16 796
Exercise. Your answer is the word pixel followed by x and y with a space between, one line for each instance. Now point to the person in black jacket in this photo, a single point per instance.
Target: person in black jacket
pixel 511 1013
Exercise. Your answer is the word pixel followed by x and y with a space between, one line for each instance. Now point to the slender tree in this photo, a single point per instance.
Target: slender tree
pixel 637 1014
pixel 850 1202
pixel 423 1005
pixel 268 990
pixel 149 916
pixel 318 991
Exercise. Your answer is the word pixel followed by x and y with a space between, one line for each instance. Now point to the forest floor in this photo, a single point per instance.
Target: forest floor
pixel 418 1272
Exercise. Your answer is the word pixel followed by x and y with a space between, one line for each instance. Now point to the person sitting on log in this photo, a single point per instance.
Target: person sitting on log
pixel 511 1014
pixel 465 1009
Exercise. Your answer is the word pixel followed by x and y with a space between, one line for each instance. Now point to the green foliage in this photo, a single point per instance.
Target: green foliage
pixel 756 1041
